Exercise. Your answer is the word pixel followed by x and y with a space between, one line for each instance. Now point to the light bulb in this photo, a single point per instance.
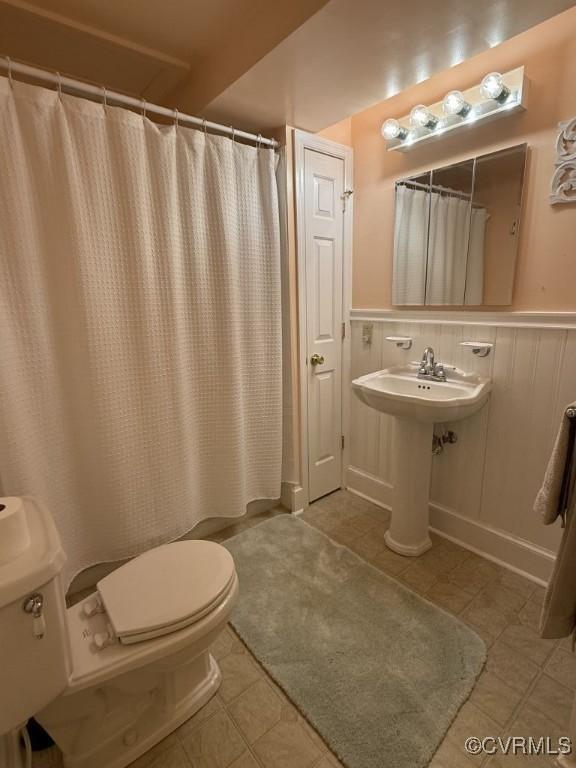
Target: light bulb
pixel 493 87
pixel 455 104
pixel 391 129
pixel 421 117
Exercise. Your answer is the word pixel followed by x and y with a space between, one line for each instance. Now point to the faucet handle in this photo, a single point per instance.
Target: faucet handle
pixel 439 372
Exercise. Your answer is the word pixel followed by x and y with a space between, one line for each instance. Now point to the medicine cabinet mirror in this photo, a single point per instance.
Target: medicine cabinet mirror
pixel 456 232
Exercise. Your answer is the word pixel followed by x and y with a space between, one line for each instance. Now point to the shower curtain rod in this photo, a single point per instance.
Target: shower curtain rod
pixel 446 190
pixel 100 92
pixel 437 187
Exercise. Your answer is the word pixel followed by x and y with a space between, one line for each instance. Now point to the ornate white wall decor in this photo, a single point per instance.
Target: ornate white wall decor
pixel 563 187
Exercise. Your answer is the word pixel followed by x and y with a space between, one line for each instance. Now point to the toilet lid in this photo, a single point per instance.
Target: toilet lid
pixel 166 588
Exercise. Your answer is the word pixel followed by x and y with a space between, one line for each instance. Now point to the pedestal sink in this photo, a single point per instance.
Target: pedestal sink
pixel 417 405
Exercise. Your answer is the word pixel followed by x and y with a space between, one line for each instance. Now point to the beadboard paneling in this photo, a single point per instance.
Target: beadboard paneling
pixel 492 474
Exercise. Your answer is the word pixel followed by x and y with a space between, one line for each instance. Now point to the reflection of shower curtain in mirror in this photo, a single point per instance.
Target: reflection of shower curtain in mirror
pixel 411 230
pixel 447 249
pixel 455 272
pixel 443 263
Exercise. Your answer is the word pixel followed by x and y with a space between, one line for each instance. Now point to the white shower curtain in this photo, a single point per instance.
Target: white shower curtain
pixel 442 263
pixel 410 241
pixel 140 375
pixel 447 249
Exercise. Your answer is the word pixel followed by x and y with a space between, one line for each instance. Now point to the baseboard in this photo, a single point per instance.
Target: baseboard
pixel 369 487
pixel 503 548
pixel 292 497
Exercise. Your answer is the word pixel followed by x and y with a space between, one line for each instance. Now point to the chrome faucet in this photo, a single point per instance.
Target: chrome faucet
pixel 429 369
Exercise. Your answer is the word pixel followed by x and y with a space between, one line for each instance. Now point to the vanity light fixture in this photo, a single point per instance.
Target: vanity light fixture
pixel 497 96
pixel 494 87
pixel 392 129
pixel 455 104
pixel 421 117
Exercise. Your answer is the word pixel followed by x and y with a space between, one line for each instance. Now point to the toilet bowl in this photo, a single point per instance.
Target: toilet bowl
pixel 115 673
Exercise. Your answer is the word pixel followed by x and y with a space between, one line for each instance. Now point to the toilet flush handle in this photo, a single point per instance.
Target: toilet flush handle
pixel 33 606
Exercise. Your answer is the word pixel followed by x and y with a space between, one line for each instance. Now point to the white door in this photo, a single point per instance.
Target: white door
pixel 324 225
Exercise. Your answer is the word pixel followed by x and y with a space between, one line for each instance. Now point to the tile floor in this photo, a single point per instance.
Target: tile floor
pixel 526 688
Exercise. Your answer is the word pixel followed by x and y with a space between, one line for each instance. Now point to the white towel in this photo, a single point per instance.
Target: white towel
pixel 549 504
pixel 554 499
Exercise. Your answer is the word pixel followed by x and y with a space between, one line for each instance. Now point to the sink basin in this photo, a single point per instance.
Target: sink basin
pixel 399 392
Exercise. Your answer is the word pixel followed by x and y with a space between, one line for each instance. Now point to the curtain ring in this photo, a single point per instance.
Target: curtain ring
pixel 10 81
pixel 233 132
pixel 204 126
pixel 259 142
pixel 143 110
pixel 59 86
pixel 176 119
pixel 104 97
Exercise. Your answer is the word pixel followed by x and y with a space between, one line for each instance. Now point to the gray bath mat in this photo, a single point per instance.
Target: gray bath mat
pixel 378 671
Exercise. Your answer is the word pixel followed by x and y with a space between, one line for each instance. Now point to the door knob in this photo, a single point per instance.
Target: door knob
pixel 317 359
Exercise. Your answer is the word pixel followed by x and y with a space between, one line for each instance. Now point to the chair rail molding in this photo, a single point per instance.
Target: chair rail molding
pixel 502 319
pixel 563 186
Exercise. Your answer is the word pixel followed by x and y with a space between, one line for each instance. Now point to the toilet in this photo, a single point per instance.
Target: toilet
pixel 115 673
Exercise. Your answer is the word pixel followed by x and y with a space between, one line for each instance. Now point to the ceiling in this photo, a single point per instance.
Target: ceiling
pixel 150 48
pixel 259 64
pixel 354 53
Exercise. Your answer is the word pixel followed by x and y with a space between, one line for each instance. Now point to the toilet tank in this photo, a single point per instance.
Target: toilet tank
pixel 34 652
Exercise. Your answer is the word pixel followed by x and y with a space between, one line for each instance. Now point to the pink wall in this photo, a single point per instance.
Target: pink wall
pixel 339 132
pixel 546 268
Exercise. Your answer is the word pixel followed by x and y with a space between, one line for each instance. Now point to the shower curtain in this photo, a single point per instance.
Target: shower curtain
pixel 410 246
pixel 447 249
pixel 140 323
pixel 438 249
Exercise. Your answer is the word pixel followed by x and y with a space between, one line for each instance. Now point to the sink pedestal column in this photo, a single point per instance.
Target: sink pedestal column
pixel 412 446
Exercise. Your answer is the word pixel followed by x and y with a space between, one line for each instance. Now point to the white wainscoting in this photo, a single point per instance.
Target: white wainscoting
pixel 483 487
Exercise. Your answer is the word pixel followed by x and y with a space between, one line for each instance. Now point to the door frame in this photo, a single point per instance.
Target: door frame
pixel 302 142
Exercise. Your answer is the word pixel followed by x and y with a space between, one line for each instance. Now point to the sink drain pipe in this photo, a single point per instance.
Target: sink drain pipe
pixel 439 441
